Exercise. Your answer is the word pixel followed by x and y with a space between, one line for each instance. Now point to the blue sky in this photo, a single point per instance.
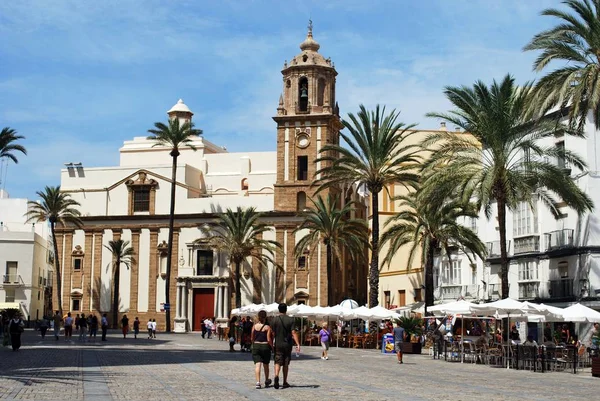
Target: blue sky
pixel 77 78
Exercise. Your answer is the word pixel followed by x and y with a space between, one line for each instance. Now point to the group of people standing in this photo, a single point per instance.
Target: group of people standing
pixel 84 326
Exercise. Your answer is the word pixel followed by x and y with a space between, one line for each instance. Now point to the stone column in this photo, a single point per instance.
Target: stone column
pixel 180 321
pixel 225 304
pixel 133 292
pixel 87 272
pixel 219 302
pixel 97 271
pixel 152 273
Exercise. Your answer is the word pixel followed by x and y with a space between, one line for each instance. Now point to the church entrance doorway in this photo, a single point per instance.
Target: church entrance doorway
pixel 203 306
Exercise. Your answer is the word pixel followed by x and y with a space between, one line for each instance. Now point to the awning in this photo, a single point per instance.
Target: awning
pixel 10 305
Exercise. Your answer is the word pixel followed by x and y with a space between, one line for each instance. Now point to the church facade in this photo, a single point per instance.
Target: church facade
pixel 131 202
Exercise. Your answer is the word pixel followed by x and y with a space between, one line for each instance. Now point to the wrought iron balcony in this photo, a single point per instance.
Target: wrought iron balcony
pixel 527 245
pixel 455 291
pixel 12 280
pixel 493 248
pixel 529 290
pixel 562 288
pixel 451 291
pixel 494 291
pixel 559 239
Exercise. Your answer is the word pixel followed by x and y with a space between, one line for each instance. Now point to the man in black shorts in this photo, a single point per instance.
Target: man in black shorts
pixel 285 330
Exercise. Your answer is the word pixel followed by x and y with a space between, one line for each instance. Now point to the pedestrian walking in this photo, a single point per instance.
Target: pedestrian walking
pixel 285 336
pixel 153 328
pixel 208 327
pixel 399 335
pixel 83 328
pixel 232 324
pixel 15 329
pixel 104 326
pixel 136 327
pixel 44 324
pixel 125 325
pixel 68 327
pixel 57 320
pixel 93 326
pixel 262 343
pixel 203 326
pixel 149 326
pixel 325 338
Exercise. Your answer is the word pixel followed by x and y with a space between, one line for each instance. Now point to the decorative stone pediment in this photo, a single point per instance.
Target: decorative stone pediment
pixel 142 179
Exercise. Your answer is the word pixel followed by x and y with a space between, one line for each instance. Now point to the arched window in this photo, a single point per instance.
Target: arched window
pixel 320 91
pixel 301 201
pixel 244 184
pixel 303 94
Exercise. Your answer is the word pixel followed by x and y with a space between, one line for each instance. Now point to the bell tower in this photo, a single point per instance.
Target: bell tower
pixel 307 120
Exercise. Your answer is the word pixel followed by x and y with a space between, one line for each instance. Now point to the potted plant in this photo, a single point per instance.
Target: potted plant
pixel 413 327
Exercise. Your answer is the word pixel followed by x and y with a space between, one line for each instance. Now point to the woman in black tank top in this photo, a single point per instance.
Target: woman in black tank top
pixel 262 342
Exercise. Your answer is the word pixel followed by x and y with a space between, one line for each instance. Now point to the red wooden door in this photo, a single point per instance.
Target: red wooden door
pixel 204 306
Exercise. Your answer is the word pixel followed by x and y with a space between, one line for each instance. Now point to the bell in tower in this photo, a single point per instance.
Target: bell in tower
pixel 309 81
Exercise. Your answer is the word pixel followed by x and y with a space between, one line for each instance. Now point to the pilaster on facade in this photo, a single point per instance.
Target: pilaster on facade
pixel 97 271
pixel 68 268
pixel 87 272
pixel 134 268
pixel 153 270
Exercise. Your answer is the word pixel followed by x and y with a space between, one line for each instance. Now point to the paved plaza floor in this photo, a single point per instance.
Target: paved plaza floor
pixel 187 367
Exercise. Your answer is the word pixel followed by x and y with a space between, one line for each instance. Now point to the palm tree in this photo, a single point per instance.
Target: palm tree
pixel 329 224
pixel 378 154
pixel 240 235
pixel 175 135
pixel 576 41
pixel 503 159
pixel 8 137
pixel 428 226
pixel 122 254
pixel 58 208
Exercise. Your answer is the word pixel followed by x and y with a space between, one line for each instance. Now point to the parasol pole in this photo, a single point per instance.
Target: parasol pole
pixel 462 338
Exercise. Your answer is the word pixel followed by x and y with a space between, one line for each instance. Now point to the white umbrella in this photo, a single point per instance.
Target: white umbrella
pixel 580 313
pixel 349 304
pixel 453 308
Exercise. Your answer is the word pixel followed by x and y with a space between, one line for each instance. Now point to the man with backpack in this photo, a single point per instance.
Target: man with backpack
pixel 285 335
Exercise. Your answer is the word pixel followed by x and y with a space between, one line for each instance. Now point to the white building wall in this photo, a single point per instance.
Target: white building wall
pixel 583 269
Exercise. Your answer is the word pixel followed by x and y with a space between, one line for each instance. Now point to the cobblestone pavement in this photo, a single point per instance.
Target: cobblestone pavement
pixel 187 367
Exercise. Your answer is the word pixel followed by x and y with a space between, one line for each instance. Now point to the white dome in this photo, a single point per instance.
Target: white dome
pixel 180 107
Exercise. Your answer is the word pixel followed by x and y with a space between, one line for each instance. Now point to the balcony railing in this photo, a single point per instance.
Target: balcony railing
pixel 12 279
pixel 455 291
pixel 562 288
pixel 559 239
pixel 494 291
pixel 527 245
pixel 493 248
pixel 451 291
pixel 529 290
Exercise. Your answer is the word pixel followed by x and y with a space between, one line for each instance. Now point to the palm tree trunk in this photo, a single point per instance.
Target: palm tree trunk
pixel 57 269
pixel 116 293
pixel 429 299
pixel 174 154
pixel 503 250
pixel 329 276
pixel 238 290
pixel 374 269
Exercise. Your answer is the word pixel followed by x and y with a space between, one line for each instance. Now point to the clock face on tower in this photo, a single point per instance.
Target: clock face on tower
pixel 302 140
